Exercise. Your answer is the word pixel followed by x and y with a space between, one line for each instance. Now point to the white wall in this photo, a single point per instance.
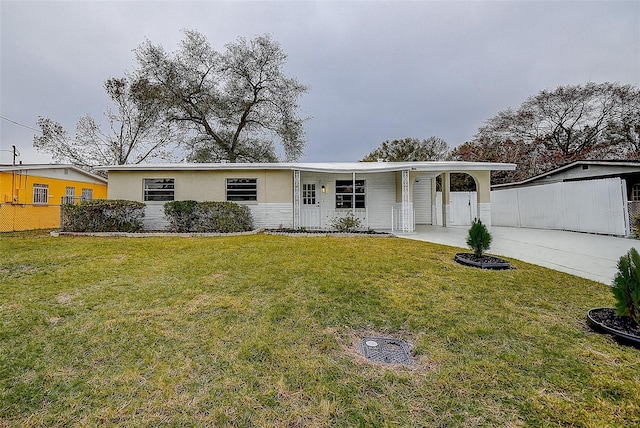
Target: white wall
pixel 595 206
pixel 272 216
pixel 269 216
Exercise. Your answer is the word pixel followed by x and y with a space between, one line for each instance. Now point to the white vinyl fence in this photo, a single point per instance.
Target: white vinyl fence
pixel 463 208
pixel 595 206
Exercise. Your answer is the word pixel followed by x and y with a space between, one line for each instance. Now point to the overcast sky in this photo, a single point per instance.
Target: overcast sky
pixel 376 70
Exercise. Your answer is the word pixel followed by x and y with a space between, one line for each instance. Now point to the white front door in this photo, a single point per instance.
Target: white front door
pixel 310 212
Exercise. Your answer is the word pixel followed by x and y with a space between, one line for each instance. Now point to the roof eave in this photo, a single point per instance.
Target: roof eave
pixel 336 167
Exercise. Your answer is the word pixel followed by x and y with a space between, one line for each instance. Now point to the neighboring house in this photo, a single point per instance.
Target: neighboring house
pixel 587 170
pixel 383 195
pixel 597 196
pixel 31 195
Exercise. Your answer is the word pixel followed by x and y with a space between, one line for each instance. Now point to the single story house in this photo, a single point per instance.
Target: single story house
pixel 31 194
pixel 383 195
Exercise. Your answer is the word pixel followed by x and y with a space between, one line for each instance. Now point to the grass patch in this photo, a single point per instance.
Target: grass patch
pixel 260 330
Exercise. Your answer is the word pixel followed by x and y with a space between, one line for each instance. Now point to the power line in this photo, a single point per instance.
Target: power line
pixel 34 129
pixel 20 124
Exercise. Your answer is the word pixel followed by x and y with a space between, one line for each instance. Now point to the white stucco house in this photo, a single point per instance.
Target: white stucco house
pixel 383 195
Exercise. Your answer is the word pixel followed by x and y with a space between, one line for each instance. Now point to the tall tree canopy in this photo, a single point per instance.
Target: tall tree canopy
pixel 410 149
pixel 233 103
pixel 136 132
pixel 552 128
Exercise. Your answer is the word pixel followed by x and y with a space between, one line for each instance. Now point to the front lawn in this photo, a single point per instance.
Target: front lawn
pixel 261 331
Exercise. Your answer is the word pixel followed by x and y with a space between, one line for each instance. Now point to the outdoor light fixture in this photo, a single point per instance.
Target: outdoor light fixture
pixel 324 189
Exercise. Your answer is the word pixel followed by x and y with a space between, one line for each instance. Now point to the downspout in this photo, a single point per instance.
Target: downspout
pixel 13 187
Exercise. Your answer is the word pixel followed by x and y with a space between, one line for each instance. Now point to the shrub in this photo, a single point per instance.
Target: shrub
pixel 626 285
pixel 208 217
pixel 181 215
pixel 348 223
pixel 223 217
pixel 479 239
pixel 103 216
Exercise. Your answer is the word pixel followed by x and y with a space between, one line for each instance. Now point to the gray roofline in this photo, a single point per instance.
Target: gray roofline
pixel 568 166
pixel 39 167
pixel 338 167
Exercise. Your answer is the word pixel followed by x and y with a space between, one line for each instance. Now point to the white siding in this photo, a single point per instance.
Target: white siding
pixel 272 215
pixel 154 217
pixel 595 206
pixel 381 196
pixel 380 191
pixel 264 215
pixel 422 200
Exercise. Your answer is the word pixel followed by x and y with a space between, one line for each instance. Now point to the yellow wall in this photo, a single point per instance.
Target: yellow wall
pixel 17 211
pixel 274 186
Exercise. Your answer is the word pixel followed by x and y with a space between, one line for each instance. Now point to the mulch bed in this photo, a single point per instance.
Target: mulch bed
pixel 606 317
pixel 320 232
pixel 483 262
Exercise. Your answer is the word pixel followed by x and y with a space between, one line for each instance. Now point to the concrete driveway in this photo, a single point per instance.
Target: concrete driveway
pixel 585 255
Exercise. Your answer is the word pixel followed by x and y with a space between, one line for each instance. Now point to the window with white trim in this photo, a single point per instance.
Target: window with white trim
pixel 159 189
pixel 635 192
pixel 345 193
pixel 40 194
pixel 87 194
pixel 242 189
pixel 69 194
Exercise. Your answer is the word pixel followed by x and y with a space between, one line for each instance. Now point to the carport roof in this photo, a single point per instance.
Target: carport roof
pixel 336 167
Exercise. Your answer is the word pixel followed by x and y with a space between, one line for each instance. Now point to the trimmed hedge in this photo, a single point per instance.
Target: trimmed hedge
pixel 208 217
pixel 181 215
pixel 103 216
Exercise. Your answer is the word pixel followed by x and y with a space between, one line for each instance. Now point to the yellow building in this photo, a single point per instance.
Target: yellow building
pixel 31 195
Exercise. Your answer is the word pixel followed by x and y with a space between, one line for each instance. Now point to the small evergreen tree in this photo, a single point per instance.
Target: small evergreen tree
pixel 479 239
pixel 626 285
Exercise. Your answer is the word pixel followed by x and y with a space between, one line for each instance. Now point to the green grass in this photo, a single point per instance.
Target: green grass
pixel 260 331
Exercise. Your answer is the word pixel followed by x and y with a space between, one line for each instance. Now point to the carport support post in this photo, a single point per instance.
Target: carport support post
pixel 446 198
pixel 296 199
pixel 483 189
pixel 407 218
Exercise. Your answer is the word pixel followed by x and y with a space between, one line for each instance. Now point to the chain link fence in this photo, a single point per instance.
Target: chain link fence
pixel 14 217
pixel 20 217
pixel 633 208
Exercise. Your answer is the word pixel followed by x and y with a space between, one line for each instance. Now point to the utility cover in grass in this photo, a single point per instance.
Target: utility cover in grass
pixel 386 350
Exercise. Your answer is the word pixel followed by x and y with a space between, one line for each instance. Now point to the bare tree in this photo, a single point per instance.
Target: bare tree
pixel 234 103
pixel 552 128
pixel 623 129
pixel 137 133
